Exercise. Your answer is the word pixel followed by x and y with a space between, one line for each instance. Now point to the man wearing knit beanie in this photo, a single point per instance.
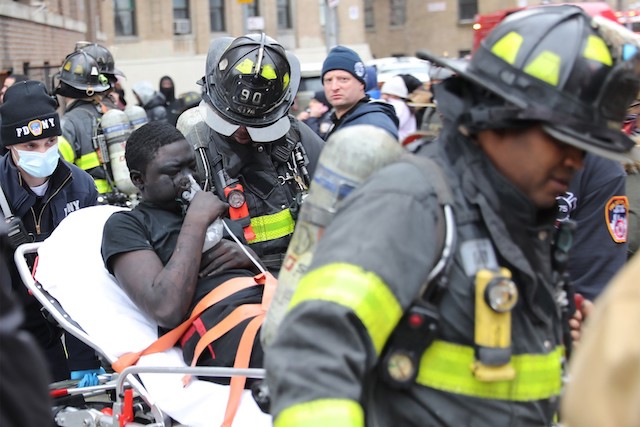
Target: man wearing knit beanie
pixel 343 78
pixel 41 190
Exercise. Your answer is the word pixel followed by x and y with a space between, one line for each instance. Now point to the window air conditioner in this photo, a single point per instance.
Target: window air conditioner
pixel 181 26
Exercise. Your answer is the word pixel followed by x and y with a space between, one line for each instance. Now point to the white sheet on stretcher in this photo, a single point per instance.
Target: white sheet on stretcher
pixel 70 268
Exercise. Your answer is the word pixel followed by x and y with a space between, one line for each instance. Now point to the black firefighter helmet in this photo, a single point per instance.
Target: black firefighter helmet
pixel 253 84
pixel 574 73
pixel 104 58
pixel 80 76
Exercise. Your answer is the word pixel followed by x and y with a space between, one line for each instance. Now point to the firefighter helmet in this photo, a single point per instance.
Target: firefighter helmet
pixel 80 76
pixel 574 73
pixel 104 58
pixel 252 84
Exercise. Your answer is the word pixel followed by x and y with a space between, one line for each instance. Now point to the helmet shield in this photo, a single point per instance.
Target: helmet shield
pixel 559 66
pixel 253 84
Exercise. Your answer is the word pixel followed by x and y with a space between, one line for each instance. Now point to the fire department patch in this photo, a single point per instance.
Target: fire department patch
pixel 616 215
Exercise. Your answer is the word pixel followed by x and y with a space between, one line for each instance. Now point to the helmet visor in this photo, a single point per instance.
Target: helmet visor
pixel 270 133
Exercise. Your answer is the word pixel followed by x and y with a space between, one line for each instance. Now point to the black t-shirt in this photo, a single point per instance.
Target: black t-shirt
pixel 150 228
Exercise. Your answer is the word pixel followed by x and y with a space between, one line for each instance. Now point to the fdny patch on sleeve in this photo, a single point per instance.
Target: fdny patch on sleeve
pixel 616 214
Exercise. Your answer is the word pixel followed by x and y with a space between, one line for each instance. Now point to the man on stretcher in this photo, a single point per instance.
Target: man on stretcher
pixel 155 251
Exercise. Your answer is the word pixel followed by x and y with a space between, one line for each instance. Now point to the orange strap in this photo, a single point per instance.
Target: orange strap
pixel 168 340
pixel 245 347
pixel 238 315
pixel 242 361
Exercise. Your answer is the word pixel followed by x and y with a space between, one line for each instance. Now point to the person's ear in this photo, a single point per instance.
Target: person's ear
pixel 137 179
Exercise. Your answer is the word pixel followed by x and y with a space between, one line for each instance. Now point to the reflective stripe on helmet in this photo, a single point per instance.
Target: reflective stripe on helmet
pixel 597 50
pixel 446 366
pixel 507 47
pixel 545 67
pixel 271 227
pixel 268 72
pixel 321 413
pixel 361 291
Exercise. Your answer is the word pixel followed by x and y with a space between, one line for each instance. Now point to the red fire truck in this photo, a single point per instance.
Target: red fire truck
pixel 630 19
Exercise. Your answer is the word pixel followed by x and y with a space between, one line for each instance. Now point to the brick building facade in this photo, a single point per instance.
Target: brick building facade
pixel 36 36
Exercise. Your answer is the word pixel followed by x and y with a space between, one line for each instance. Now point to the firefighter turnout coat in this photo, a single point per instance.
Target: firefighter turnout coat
pixel 323 368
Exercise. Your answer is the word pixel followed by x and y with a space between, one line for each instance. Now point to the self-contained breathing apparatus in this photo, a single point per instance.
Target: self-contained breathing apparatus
pixel 82 77
pixel 110 134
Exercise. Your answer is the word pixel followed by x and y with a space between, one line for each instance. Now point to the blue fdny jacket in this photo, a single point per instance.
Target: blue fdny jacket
pixel 367 112
pixel 70 189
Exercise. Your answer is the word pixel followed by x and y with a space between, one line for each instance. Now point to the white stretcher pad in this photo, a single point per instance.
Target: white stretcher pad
pixel 70 268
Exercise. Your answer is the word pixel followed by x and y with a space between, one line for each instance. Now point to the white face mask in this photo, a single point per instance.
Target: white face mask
pixel 39 165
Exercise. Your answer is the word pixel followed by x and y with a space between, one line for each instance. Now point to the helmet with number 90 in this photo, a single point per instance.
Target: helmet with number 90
pixel 253 84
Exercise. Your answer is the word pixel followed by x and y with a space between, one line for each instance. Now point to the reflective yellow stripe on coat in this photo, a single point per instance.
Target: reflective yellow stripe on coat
pixel 66 150
pixel 102 186
pixel 271 227
pixel 363 292
pixel 88 161
pixel 322 413
pixel 446 366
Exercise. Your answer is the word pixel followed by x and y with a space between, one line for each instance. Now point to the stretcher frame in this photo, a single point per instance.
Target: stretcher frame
pixel 128 379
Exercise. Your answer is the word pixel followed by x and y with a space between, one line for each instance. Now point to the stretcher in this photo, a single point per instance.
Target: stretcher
pixel 72 284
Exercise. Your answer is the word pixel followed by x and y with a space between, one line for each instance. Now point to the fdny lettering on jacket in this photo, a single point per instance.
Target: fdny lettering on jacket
pixel 72 206
pixel 35 127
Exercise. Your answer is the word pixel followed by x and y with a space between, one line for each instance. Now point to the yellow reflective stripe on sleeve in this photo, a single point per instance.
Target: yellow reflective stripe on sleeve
pixel 271 227
pixel 322 413
pixel 66 150
pixel 102 186
pixel 597 50
pixel 546 67
pixel 508 46
pixel 446 366
pixel 363 292
pixel 88 161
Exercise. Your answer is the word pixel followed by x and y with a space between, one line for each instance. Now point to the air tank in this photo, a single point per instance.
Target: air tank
pixel 116 129
pixel 348 158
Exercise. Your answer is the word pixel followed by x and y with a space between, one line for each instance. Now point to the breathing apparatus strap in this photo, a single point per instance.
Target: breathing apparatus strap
pixel 419 325
pixel 562 243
